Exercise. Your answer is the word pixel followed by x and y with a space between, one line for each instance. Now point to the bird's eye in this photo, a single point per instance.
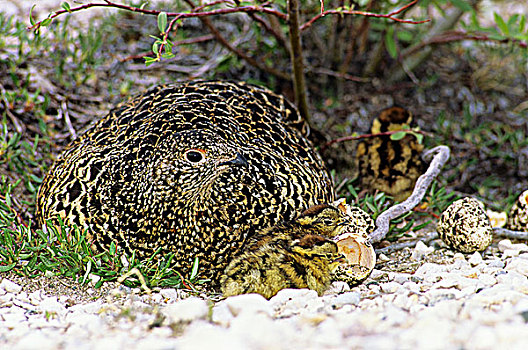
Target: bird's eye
pixel 194 156
pixel 328 222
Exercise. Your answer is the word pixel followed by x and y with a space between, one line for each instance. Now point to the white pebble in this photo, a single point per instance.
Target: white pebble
pixel 251 303
pixel 36 337
pixel 52 305
pixel 350 298
pixel 495 263
pixel 420 251
pixel 202 335
pixel 401 278
pixel 288 294
pixel 94 278
pixel 337 287
pixel 518 265
pixel 390 287
pixel 189 309
pixel 170 293
pixel 9 286
pixel 475 259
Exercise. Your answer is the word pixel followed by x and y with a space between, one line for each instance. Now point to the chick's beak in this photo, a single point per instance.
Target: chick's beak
pixel 341 259
pixel 238 160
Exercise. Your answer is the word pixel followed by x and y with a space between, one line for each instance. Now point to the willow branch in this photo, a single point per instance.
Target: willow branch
pixel 340 12
pixel 270 29
pixel 409 244
pixel 247 9
pixel 241 54
pixel 296 53
pixel 453 36
pixel 422 184
pixel 502 232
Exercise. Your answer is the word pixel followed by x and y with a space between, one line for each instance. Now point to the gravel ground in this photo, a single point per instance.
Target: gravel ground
pixel 467 302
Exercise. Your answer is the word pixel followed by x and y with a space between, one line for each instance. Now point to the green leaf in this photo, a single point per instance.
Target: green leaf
pixel 390 43
pixel 419 137
pixel 194 270
pixel 501 24
pixel 31 19
pixel 8 199
pixel 155 48
pixel 405 36
pixel 463 5
pixel 46 22
pixel 162 21
pixel 66 6
pixel 512 20
pixel 7 268
pixel 522 23
pixel 167 55
pixel 398 135
pixel 35 178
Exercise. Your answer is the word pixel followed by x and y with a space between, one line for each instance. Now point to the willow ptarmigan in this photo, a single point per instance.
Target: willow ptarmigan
pixel 190 169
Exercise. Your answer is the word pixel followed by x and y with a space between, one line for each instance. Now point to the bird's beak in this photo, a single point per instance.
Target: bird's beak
pixel 341 259
pixel 239 160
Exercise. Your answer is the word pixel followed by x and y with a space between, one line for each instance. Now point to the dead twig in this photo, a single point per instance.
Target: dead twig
pixel 409 244
pixel 422 184
pixel 296 57
pixel 65 113
pixel 340 12
pixel 456 35
pixel 239 9
pixel 505 233
pixel 252 61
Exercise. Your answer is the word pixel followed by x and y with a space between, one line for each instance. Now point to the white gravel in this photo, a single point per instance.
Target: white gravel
pixel 471 303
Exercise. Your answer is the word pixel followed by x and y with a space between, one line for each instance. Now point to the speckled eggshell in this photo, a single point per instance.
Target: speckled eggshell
pixel 355 245
pixel 464 226
pixel 361 222
pixel 518 217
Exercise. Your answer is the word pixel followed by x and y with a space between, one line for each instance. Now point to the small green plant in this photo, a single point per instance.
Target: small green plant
pixel 375 204
pixel 64 251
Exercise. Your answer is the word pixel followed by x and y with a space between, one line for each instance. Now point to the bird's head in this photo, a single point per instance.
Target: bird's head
pixel 314 246
pixel 392 119
pixel 193 161
pixel 323 219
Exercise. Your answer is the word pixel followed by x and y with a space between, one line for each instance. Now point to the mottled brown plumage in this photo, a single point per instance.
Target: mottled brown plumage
pixel 294 254
pixel 390 166
pixel 191 169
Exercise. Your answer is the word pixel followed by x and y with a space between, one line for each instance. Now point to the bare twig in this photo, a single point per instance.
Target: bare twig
pixel 502 232
pixel 422 184
pixel 64 111
pixel 252 61
pixel 254 9
pixel 409 244
pixel 296 55
pixel 281 40
pixel 411 61
pixel 390 15
pixel 345 76
pixel 455 35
